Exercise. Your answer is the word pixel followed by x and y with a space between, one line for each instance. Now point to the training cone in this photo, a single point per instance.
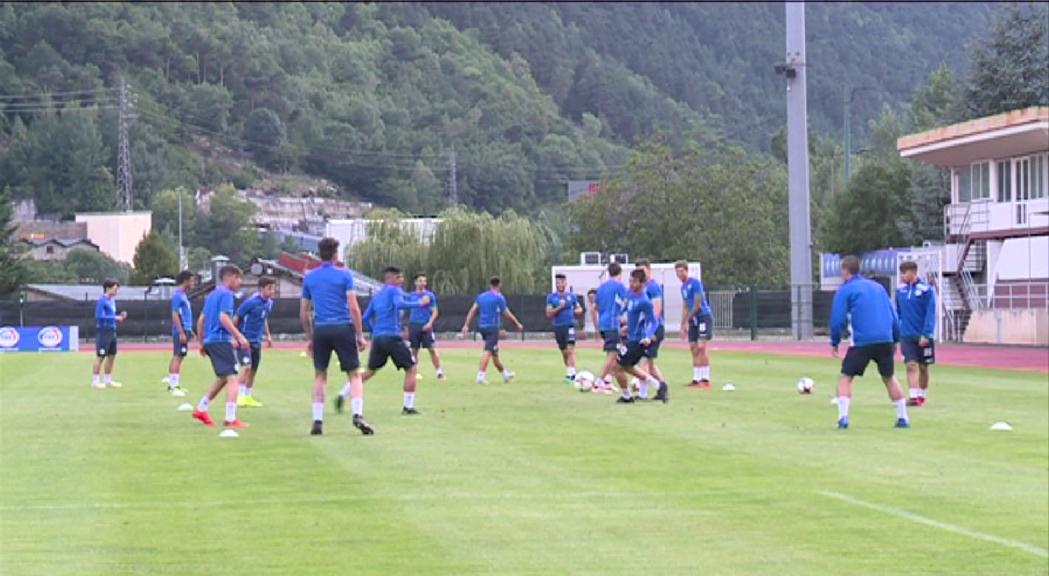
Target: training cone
pixel 1001 427
pixel 302 355
pixel 834 400
pixel 729 387
pixel 185 407
pixel 178 393
pixel 228 434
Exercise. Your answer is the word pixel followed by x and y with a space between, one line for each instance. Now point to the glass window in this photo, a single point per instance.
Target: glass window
pixel 964 185
pixel 981 181
pixel 1023 179
pixel 1005 181
pixel 1038 176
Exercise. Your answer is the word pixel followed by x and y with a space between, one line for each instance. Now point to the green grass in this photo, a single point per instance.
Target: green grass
pixel 527 478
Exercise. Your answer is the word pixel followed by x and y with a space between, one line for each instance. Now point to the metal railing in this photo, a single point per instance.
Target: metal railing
pixel 959 219
pixel 721 307
pixel 1020 296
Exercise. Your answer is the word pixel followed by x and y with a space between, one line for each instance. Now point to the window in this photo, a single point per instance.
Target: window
pixel 50 250
pixel 981 181
pixel 1023 179
pixel 964 185
pixel 1038 176
pixel 1005 189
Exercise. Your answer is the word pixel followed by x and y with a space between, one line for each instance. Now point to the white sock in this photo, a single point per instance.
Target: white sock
pixel 231 411
pixel 95 379
pixel 571 372
pixel 202 406
pixel 243 390
pixel 318 411
pixel 481 377
pixel 440 371
pixel 506 372
pixel 345 392
pixel 843 407
pixel 357 405
pixel 608 379
pixel 642 390
pixel 247 391
pixel 901 408
pixel 626 392
pixel 409 399
pixel 652 381
pixel 705 374
pixel 697 373
pixel 172 380
pixel 913 393
pixel 921 392
pixel 108 378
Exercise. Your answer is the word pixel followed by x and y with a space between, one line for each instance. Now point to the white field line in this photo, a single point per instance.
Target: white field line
pixel 1029 548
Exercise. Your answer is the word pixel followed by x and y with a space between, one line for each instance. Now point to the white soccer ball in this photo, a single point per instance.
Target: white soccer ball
pixel 805 385
pixel 584 381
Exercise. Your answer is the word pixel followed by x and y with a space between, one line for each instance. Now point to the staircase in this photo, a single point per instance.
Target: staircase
pixel 960 295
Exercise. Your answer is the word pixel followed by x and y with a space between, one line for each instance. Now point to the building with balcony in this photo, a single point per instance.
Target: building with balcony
pixel 996 229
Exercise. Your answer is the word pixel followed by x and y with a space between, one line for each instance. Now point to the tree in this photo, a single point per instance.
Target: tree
pixel 164 205
pixel 92 267
pixel 874 212
pixel 153 259
pixel 226 228
pixel 1010 68
pixel 264 133
pixel 12 261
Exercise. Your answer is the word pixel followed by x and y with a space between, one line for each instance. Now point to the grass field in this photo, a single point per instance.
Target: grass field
pixel 526 478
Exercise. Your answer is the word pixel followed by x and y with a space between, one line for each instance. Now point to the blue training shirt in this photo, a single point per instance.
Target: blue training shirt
pixel 421 314
pixel 383 314
pixel 640 317
pixel 252 314
pixel 690 290
pixel 327 286
pixel 566 317
pixel 490 306
pixel 611 301
pixel 867 304
pixel 220 300
pixel 106 313
pixel 180 304
pixel 916 307
pixel 655 292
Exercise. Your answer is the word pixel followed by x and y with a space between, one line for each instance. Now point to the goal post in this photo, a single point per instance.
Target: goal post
pixel 930 269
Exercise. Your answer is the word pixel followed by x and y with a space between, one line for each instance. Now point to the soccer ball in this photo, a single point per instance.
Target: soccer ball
pixel 584 381
pixel 805 385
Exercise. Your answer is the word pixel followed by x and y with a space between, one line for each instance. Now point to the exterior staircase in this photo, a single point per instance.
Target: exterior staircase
pixel 960 293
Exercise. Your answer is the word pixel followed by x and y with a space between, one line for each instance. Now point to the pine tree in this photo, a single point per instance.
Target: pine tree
pixel 13 270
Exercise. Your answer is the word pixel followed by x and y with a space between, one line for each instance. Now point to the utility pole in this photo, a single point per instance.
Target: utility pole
pixel 798 168
pixel 181 246
pixel 453 181
pixel 124 183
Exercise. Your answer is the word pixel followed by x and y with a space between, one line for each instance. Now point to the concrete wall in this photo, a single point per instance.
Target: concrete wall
pixel 1029 327
pixel 117 234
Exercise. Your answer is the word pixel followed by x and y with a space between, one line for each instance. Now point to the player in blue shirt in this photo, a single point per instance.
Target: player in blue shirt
pixel 218 334
pixel 610 304
pixel 697 323
pixel 106 320
pixel 252 318
pixel 181 330
pixel 640 334
pixel 330 315
pixel 489 308
pixel 562 307
pixel 654 291
pixel 383 317
pixel 420 324
pixel 916 307
pixel 875 331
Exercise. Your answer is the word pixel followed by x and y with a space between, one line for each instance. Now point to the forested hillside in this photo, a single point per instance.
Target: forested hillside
pixel 376 97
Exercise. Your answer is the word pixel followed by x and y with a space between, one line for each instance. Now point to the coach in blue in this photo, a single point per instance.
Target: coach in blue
pixel 875 332
pixel 916 305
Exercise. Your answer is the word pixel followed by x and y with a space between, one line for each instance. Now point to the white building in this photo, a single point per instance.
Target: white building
pixel 996 228
pixel 117 234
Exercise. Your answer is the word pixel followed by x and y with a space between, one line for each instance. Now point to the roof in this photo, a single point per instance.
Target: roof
pixel 64 242
pixel 42 230
pixel 90 292
pixel 1007 134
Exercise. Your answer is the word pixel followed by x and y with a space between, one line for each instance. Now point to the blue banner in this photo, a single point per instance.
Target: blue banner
pixel 39 339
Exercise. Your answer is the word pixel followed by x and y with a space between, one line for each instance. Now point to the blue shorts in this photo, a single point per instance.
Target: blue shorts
pixel 612 339
pixel 418 338
pixel 565 336
pixel 223 361
pixel 700 327
pixel 913 352
pixel 106 343
pixel 652 351
pixel 250 356
pixel 179 349
pixel 491 339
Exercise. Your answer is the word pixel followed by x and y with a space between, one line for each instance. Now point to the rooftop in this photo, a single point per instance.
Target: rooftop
pixel 1007 134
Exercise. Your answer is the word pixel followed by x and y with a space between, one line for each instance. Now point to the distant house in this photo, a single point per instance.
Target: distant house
pixel 53 240
pixel 56 248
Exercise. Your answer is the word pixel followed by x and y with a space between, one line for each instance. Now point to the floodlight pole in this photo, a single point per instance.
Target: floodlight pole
pixel 798 167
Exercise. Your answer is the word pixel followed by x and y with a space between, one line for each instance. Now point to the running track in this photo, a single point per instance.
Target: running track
pixel 975 355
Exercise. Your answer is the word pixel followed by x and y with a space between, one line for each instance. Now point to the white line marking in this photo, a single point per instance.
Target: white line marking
pixel 1029 548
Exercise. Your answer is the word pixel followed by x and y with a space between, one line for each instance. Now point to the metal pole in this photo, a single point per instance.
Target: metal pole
pixel 846 112
pixel 798 165
pixel 753 303
pixel 181 248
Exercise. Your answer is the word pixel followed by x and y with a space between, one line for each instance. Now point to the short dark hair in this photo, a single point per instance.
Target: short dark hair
pixel 266 281
pixel 327 249
pixel 851 264
pixel 638 274
pixel 908 265
pixel 614 269
pixel 681 264
pixel 391 270
pixel 229 270
pixel 184 277
pixel 560 276
pixel 418 275
pixel 643 263
pixel 109 283
pixel 591 291
pixel 494 282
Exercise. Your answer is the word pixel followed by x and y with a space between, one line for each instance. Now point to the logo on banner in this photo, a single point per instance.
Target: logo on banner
pixel 50 337
pixel 9 337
